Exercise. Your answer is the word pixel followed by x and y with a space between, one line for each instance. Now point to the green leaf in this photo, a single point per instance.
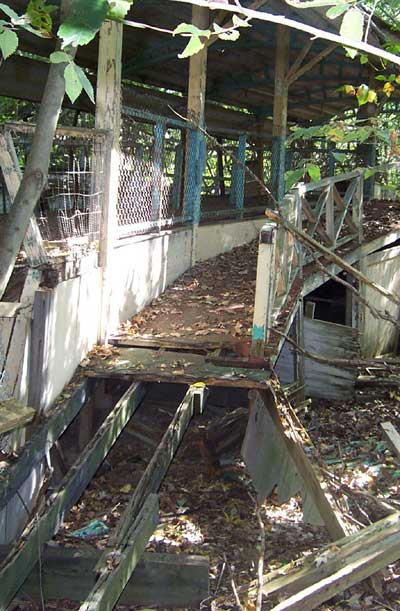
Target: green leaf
pixel 8 42
pixel 314 172
pixel 73 86
pixel 370 172
pixel 292 177
pixel 9 12
pixel 363 58
pixel 189 28
pixel 84 22
pixel 225 34
pixel 119 9
pixel 38 14
pixel 58 57
pixel 84 81
pixel 362 94
pixel 194 46
pixel 336 11
pixel 240 23
pixel 352 27
pixel 340 157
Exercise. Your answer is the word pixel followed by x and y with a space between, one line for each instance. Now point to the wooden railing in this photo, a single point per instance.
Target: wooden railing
pixel 330 211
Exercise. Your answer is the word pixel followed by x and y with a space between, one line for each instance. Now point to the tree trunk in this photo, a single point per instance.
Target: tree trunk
pixel 15 223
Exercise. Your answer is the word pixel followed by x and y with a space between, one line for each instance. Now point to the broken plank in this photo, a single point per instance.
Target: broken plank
pixel 381 546
pixel 154 366
pixel 156 469
pixel 292 578
pixel 42 439
pixel 23 557
pixel 168 580
pixel 176 343
pixel 14 415
pixel 122 560
pixel 392 436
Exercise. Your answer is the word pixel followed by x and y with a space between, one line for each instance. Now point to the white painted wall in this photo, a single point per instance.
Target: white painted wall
pixel 379 336
pixel 215 239
pixel 142 269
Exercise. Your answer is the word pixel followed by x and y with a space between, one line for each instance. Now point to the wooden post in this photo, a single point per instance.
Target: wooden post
pixel 265 293
pixel 40 352
pixel 195 142
pixel 280 111
pixel 299 364
pixel 330 214
pixel 108 116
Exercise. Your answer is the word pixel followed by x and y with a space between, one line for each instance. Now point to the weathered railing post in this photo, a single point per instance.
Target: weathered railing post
pixel 358 206
pixel 265 289
pixel 240 175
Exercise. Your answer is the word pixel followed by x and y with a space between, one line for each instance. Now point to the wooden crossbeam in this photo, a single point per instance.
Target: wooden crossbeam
pixel 306 584
pixel 314 219
pixel 33 243
pixel 155 470
pixel 41 441
pixel 123 559
pixel 159 579
pixel 344 205
pixel 310 64
pixel 25 554
pixel 392 436
pixel 299 59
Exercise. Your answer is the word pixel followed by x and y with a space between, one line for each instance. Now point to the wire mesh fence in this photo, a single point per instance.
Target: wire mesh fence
pixel 69 210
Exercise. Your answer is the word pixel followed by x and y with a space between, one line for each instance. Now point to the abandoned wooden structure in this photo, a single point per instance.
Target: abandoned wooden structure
pixel 140 185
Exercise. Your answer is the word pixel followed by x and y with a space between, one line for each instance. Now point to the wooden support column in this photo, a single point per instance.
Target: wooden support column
pixel 195 144
pixel 280 111
pixel 265 293
pixel 108 116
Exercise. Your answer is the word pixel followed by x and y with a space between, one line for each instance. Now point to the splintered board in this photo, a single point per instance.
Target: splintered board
pixel 163 366
pixel 13 415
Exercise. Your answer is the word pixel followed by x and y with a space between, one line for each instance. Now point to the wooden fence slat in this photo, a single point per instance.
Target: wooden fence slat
pixel 123 560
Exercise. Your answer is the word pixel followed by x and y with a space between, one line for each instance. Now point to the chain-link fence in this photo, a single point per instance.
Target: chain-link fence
pixel 69 210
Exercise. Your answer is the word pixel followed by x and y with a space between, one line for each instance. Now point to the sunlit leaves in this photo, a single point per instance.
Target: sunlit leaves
pixel 75 78
pixel 362 93
pixel 83 22
pixel 195 34
pixel 388 89
pixel 352 27
pixel 292 177
pixel 8 40
pixel 118 9
pixel 38 14
pixel 336 11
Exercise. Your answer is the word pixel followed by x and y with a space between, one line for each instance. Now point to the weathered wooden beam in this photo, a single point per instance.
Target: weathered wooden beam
pixel 325 567
pixel 108 117
pixel 295 75
pixel 16 567
pixel 33 243
pixel 392 436
pixel 169 580
pixel 122 560
pixel 156 469
pixel 40 349
pixel 43 437
pixel 299 59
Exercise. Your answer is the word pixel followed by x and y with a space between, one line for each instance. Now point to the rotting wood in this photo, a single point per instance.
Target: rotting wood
pixel 392 436
pixel 122 560
pixel 14 415
pixel 156 469
pixel 43 437
pixel 168 580
pixel 293 437
pixel 40 352
pixel 302 235
pixel 156 366
pixel 22 558
pixel 311 581
pixel 33 243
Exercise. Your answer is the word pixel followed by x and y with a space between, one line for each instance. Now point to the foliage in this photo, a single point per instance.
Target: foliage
pixel 79 28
